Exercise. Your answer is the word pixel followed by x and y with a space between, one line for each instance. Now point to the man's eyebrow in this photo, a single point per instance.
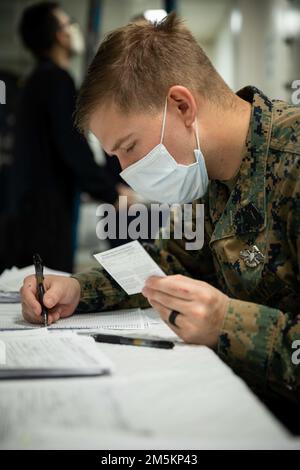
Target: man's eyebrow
pixel 119 142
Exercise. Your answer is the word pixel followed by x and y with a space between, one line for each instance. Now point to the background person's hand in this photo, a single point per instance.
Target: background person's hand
pixel 202 307
pixel 61 298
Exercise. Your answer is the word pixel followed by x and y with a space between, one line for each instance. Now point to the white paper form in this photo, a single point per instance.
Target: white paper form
pixel 117 320
pixel 130 265
pixel 61 414
pixel 51 353
pixel 142 411
pixel 128 319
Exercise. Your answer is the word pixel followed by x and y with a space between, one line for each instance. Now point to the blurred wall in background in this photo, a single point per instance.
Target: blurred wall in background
pixel 259 43
pixel 250 42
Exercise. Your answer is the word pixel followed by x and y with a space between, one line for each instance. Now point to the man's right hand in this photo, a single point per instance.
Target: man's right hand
pixel 61 298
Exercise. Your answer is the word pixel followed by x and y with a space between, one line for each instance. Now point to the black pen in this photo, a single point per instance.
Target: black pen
pixel 38 264
pixel 150 343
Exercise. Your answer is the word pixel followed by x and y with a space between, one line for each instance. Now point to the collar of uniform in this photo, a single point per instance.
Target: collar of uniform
pixel 245 209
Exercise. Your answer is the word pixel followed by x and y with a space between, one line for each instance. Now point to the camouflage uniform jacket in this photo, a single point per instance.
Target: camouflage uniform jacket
pixel 263 210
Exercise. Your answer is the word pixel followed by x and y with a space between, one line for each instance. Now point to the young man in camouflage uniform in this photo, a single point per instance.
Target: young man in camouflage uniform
pixel 239 294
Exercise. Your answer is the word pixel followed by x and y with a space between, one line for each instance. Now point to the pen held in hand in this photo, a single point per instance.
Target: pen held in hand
pixel 38 265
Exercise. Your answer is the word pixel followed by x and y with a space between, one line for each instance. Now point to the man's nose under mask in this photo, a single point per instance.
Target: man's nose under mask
pixel 158 177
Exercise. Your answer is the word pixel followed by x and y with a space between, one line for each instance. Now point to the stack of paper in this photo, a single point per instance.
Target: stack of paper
pixel 11 280
pixel 9 297
pixel 41 354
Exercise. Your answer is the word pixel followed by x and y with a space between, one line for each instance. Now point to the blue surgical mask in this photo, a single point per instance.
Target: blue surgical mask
pixel 158 177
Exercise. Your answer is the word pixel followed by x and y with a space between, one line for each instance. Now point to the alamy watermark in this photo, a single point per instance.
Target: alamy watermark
pixel 187 222
pixel 296 354
pixel 2 92
pixel 295 98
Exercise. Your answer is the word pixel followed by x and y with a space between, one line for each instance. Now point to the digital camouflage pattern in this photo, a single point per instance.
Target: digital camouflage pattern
pixel 259 208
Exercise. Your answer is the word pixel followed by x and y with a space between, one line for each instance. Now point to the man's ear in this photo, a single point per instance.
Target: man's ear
pixel 185 103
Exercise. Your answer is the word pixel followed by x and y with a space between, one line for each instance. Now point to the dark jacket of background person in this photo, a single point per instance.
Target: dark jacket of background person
pixel 51 162
pixel 7 125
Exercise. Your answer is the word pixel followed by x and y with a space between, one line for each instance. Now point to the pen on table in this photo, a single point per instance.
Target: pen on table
pixel 38 264
pixel 150 343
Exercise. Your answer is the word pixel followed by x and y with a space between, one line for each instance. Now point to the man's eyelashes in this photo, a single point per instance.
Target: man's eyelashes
pixel 129 149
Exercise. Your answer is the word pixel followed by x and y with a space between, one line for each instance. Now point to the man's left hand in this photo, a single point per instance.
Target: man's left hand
pixel 202 307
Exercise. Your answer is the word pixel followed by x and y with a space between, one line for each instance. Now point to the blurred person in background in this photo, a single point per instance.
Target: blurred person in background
pixel 52 162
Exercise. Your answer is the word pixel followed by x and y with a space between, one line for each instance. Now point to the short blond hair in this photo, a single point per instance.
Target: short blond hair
pixel 136 65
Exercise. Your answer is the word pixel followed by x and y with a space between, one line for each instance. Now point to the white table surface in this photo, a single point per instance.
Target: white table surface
pixel 185 398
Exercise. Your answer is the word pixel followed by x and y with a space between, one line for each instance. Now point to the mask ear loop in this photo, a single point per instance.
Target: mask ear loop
pixel 164 121
pixel 197 133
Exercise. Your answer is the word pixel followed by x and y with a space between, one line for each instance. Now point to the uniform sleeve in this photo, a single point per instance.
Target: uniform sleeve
pixel 258 343
pixel 100 292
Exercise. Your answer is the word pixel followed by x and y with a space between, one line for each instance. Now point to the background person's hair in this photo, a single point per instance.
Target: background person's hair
pixel 38 27
pixel 137 64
